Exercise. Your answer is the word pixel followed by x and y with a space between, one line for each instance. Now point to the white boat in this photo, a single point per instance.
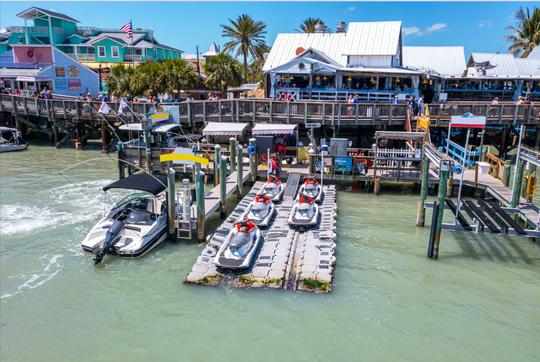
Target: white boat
pixel 304 214
pixel 272 188
pixel 10 140
pixel 239 248
pixel 260 211
pixel 136 224
pixel 311 188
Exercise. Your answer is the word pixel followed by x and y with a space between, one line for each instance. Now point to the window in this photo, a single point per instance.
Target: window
pixel 101 51
pixel 115 51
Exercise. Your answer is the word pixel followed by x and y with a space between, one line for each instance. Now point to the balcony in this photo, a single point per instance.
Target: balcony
pixel 130 57
pixel 36 30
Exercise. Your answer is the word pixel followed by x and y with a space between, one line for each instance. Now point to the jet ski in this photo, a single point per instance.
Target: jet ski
pixel 272 188
pixel 135 225
pixel 304 214
pixel 239 248
pixel 311 188
pixel 260 211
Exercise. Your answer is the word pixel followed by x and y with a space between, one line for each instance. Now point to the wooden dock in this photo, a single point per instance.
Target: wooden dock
pixel 497 189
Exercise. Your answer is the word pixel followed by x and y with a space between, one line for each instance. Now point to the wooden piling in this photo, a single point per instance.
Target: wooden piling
pixel 421 215
pixel 103 136
pixel 516 190
pixel 217 159
pixel 171 203
pixel 252 160
pixel 223 187
pixel 232 153
pixel 443 179
pixel 201 214
pixel 148 147
pixel 239 171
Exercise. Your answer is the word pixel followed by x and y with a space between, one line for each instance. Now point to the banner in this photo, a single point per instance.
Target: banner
pixel 468 120
pixel 174 113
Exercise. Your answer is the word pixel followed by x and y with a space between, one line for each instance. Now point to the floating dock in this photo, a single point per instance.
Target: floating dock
pixel 288 258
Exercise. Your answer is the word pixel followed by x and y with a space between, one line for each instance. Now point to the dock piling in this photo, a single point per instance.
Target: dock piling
pixel 217 158
pixel 443 180
pixel 199 191
pixel 171 202
pixel 252 160
pixel 421 215
pixel 148 147
pixel 223 187
pixel 232 153
pixel 240 171
pixel 516 191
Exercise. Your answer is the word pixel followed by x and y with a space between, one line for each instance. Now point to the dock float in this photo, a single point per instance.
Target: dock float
pixel 288 259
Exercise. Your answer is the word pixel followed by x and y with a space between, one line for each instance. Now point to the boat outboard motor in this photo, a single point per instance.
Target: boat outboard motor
pixel 111 234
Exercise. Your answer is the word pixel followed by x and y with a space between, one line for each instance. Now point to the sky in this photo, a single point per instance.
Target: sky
pixel 478 26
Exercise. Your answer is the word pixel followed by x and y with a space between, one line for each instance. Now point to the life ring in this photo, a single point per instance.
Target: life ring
pixel 30 53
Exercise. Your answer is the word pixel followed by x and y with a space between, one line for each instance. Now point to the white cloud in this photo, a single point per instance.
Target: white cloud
pixel 411 30
pixel 351 8
pixel 415 30
pixel 484 24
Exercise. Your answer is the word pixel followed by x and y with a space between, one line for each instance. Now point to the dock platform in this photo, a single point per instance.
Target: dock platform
pixel 288 259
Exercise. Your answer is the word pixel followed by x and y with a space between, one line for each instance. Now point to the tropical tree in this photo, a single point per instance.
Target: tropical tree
pixel 119 79
pixel 309 25
pixel 526 35
pixel 145 79
pixel 223 71
pixel 246 38
pixel 255 73
pixel 177 75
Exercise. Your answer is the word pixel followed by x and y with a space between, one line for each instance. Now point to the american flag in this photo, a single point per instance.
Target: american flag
pixel 128 29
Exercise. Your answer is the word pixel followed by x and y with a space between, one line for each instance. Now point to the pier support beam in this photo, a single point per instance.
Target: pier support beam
pixel 240 171
pixel 217 159
pixel 421 215
pixel 199 192
pixel 148 147
pixel 506 172
pixel 223 187
pixel 103 136
pixel 443 180
pixel 232 153
pixel 516 191
pixel 171 203
pixel 252 160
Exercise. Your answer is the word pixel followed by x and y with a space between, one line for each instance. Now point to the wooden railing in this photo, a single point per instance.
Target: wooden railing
pixel 267 110
pixel 496 166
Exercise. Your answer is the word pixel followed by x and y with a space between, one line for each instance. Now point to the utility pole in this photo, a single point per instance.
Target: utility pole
pixel 198 62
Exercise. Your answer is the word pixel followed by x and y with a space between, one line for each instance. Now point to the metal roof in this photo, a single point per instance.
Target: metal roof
pixel 35 12
pixel 535 54
pixel 444 60
pixel 273 129
pixel 506 66
pixel 224 128
pixel 212 51
pixel 366 38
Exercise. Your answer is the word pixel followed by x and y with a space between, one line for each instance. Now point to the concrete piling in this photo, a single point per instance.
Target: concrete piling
pixel 223 187
pixel 199 191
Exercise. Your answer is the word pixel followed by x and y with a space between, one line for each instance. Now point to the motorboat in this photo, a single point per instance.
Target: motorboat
pixel 304 214
pixel 239 248
pixel 136 224
pixel 260 210
pixel 272 188
pixel 311 188
pixel 10 140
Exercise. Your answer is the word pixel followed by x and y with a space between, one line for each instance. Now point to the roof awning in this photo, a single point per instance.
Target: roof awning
pixel 224 129
pixel 153 184
pixel 131 127
pixel 164 128
pixel 273 129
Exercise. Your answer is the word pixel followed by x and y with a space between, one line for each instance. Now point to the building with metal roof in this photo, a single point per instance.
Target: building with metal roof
pixel 445 61
pixel 92 46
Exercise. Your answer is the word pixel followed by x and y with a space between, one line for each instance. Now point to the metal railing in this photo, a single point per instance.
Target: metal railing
pixel 135 57
pixel 36 30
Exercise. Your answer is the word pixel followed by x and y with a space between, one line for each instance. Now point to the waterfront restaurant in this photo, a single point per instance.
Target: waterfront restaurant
pixel 368 60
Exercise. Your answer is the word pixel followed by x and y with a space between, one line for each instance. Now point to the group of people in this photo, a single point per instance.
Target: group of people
pixel 44 93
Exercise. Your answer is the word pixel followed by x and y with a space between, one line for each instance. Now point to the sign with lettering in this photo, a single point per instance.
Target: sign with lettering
pixel 468 120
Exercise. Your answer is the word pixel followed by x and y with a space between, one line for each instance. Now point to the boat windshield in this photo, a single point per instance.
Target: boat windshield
pixel 133 199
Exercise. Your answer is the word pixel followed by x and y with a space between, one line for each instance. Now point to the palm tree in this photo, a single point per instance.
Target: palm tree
pixel 145 79
pixel 223 71
pixel 309 25
pixel 177 75
pixel 119 79
pixel 246 38
pixel 526 34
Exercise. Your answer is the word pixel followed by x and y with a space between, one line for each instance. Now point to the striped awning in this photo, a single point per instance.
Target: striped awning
pixel 273 129
pixel 224 129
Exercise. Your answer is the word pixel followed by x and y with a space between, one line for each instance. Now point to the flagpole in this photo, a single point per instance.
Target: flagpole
pixel 132 50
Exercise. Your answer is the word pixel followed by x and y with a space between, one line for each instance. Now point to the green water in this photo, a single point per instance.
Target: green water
pixel 479 302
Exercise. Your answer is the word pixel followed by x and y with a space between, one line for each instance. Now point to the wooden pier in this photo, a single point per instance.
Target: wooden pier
pixel 288 259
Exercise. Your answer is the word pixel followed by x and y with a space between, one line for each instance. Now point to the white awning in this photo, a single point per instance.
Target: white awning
pixel 164 128
pixel 131 127
pixel 273 129
pixel 224 129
